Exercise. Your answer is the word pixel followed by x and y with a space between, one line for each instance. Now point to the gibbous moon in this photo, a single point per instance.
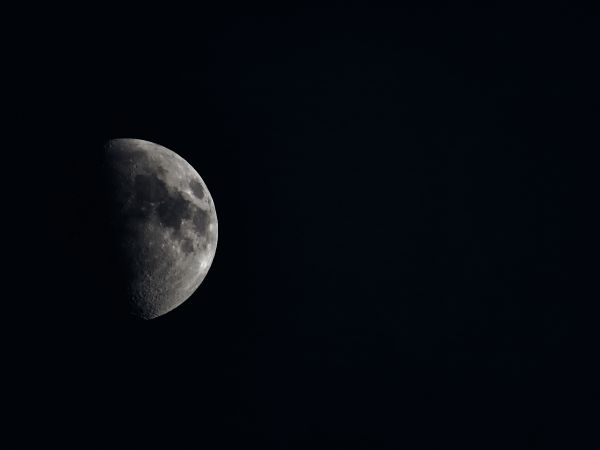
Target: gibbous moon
pixel 163 225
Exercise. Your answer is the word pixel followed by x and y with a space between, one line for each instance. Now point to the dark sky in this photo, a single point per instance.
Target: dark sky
pixel 396 266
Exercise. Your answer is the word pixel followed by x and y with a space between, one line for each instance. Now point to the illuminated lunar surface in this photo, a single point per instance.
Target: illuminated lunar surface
pixel 163 223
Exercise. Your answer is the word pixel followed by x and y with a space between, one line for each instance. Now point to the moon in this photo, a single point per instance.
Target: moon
pixel 163 225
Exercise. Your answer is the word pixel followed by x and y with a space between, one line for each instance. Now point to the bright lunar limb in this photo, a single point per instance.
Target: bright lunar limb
pixel 163 224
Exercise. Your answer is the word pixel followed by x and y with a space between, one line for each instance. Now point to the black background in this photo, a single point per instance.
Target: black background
pixel 400 260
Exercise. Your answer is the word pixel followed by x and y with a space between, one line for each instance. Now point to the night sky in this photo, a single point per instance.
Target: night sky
pixel 396 266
